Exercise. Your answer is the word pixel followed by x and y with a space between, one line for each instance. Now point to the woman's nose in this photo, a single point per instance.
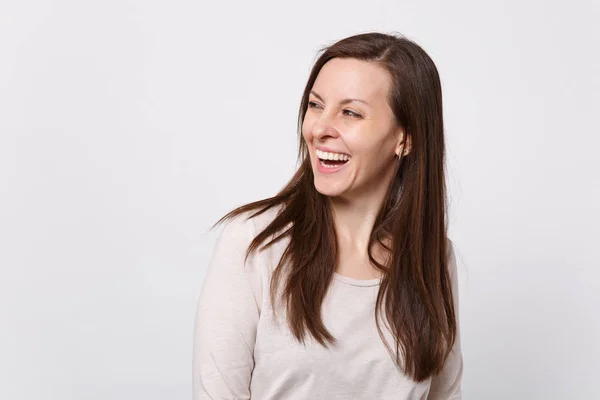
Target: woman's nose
pixel 324 126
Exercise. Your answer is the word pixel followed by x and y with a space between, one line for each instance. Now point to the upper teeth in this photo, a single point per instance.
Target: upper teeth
pixel 332 156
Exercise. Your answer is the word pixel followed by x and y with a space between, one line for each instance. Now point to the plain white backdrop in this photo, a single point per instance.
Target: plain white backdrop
pixel 127 128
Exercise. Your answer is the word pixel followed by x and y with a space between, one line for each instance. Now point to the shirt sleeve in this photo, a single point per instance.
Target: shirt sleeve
pixel 447 384
pixel 227 314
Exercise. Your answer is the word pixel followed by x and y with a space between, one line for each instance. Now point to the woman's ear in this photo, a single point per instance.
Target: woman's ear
pixel 404 144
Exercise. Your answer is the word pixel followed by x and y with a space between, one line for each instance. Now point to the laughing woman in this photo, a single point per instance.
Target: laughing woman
pixel 344 284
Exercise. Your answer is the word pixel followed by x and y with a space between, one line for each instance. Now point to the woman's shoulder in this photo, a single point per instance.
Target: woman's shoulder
pixel 261 221
pixel 248 224
pixel 231 260
pixel 451 252
pixel 240 230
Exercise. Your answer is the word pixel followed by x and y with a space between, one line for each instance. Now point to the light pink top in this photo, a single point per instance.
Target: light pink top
pixel 242 352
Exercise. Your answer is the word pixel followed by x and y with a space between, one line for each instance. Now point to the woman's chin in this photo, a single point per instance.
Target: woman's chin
pixel 327 189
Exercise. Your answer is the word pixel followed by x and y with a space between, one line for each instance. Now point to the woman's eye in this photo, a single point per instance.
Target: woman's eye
pixel 352 114
pixel 312 104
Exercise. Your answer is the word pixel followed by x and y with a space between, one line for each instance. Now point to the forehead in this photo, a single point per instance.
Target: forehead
pixel 349 77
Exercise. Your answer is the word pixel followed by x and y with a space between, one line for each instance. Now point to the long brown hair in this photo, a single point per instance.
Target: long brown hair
pixel 415 297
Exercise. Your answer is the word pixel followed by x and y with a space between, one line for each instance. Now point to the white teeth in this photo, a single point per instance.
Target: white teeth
pixel 323 155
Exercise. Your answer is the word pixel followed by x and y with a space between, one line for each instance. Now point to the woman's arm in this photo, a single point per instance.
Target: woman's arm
pixel 226 318
pixel 447 384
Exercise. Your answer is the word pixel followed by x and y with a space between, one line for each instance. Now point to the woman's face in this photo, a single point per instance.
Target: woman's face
pixel 363 130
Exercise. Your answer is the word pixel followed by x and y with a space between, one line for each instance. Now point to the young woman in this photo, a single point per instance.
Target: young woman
pixel 343 285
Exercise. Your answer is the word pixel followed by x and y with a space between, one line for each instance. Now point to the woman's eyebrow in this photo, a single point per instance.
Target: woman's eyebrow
pixel 341 102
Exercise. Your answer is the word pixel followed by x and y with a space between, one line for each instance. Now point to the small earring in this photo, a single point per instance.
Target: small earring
pixel 405 152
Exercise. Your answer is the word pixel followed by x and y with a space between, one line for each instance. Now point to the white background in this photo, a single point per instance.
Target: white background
pixel 127 128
